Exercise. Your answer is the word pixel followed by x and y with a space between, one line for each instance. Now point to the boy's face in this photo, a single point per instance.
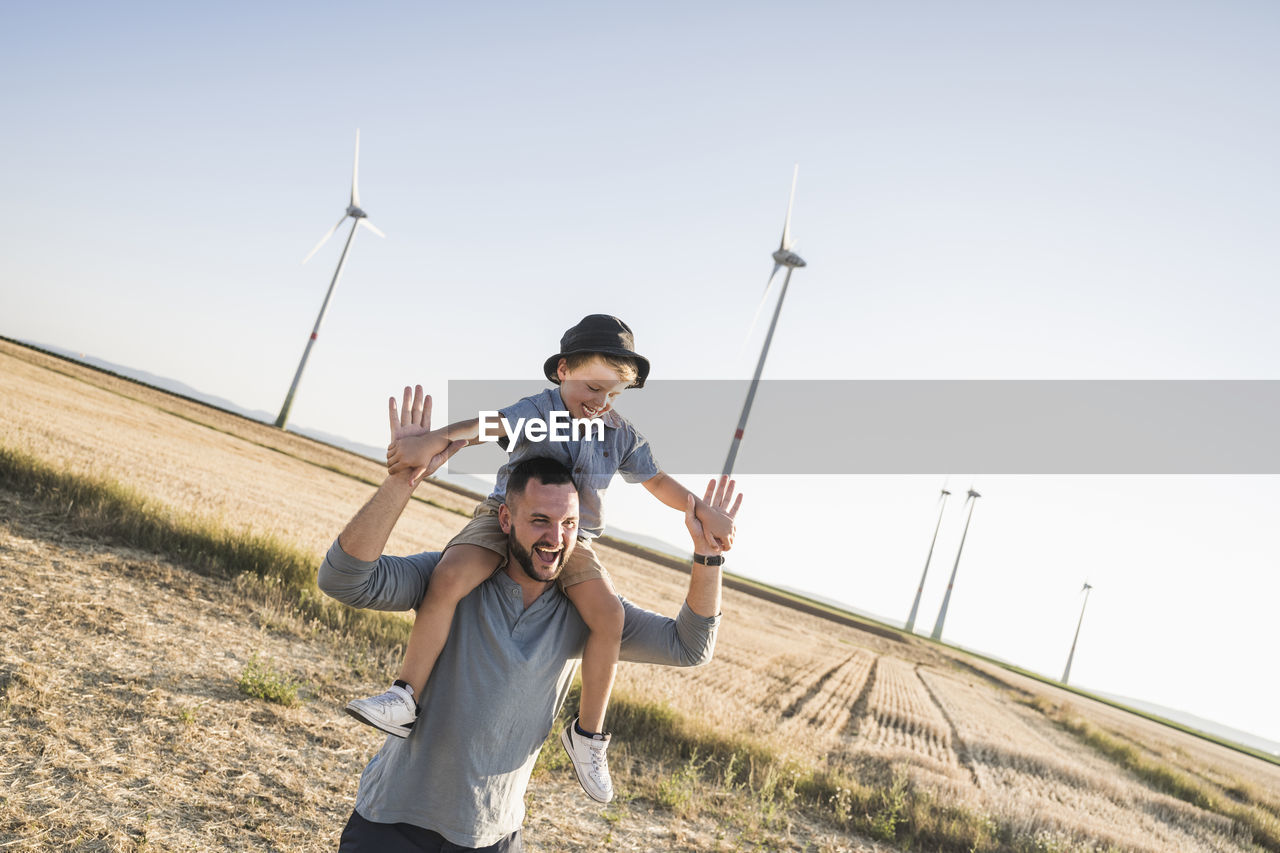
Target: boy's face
pixel 589 391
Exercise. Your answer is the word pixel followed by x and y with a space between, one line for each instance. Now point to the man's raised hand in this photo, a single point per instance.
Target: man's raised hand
pixel 414 447
pixel 719 498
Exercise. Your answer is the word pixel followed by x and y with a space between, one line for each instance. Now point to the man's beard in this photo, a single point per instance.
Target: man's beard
pixel 524 557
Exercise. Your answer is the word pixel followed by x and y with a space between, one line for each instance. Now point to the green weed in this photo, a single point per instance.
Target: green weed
pixel 262 681
pixel 891 810
pixel 678 791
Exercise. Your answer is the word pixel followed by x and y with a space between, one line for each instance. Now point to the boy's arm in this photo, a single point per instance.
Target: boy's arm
pixel 666 489
pixel 412 452
pixel 414 445
pixel 408 452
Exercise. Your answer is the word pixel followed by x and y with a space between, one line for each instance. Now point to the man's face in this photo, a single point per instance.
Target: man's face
pixel 542 527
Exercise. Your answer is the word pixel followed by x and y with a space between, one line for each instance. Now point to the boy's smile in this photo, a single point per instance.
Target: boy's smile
pixel 589 390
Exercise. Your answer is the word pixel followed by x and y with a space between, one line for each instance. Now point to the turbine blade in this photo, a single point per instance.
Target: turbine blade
pixel 763 298
pixel 367 224
pixel 355 174
pixel 786 226
pixel 324 239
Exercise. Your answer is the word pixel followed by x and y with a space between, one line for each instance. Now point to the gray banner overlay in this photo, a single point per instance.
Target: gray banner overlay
pixel 1135 427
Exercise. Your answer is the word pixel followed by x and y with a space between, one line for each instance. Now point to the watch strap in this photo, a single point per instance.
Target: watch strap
pixel 715 560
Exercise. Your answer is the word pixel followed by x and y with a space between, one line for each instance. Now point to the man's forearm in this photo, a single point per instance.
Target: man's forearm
pixel 704 590
pixel 367 532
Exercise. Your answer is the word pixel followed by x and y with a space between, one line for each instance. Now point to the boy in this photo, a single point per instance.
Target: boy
pixel 596 362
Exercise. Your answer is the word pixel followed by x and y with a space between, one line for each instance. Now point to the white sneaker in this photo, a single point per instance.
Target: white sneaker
pixel 589 762
pixel 394 711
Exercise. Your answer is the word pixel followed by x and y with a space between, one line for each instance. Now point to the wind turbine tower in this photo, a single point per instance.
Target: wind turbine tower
pixel 1066 673
pixel 946 600
pixel 915 605
pixel 360 218
pixel 784 257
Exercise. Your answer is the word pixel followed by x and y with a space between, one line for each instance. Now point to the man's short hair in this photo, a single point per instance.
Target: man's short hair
pixel 544 469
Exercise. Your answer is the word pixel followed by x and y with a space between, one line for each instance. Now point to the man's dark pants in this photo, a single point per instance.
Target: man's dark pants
pixel 365 836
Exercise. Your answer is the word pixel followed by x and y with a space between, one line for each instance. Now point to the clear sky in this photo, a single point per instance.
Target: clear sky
pixel 987 190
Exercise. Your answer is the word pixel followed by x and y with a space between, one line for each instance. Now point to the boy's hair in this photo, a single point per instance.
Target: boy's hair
pixel 625 367
pixel 544 469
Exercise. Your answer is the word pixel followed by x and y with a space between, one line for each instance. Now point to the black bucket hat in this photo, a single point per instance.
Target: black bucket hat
pixel 600 333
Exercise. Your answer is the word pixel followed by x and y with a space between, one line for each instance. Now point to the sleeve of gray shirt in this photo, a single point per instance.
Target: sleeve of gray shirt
pixel 648 637
pixel 398 583
pixel 391 583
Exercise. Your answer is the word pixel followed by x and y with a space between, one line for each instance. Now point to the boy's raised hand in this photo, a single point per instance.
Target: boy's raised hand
pixel 719 498
pixel 719 526
pixel 414 446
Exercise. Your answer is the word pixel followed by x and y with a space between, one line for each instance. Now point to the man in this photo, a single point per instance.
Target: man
pixel 458 780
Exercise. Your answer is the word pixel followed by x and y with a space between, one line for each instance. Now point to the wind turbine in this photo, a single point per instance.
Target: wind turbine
pixel 361 218
pixel 784 257
pixel 1066 673
pixel 942 614
pixel 915 605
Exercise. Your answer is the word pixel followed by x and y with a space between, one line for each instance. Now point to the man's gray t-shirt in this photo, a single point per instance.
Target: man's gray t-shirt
pixel 493 695
pixel 622 450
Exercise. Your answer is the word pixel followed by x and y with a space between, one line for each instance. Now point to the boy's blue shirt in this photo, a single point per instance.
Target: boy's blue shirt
pixel 624 450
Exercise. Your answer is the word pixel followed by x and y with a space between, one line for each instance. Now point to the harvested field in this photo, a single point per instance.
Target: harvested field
pixel 902 723
pixel 1047 789
pixel 122 724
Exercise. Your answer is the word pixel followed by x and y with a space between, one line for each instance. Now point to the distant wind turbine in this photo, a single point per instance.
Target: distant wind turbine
pixel 946 600
pixel 784 257
pixel 1066 673
pixel 361 218
pixel 915 605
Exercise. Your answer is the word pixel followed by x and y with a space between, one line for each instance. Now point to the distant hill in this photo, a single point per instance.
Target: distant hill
pixel 173 386
pixel 1197 723
pixel 840 605
pixel 164 383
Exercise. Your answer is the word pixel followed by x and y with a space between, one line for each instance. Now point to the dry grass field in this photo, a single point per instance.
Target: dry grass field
pixel 135 712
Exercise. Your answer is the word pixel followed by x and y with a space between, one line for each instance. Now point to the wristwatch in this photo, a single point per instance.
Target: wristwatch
pixel 717 560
